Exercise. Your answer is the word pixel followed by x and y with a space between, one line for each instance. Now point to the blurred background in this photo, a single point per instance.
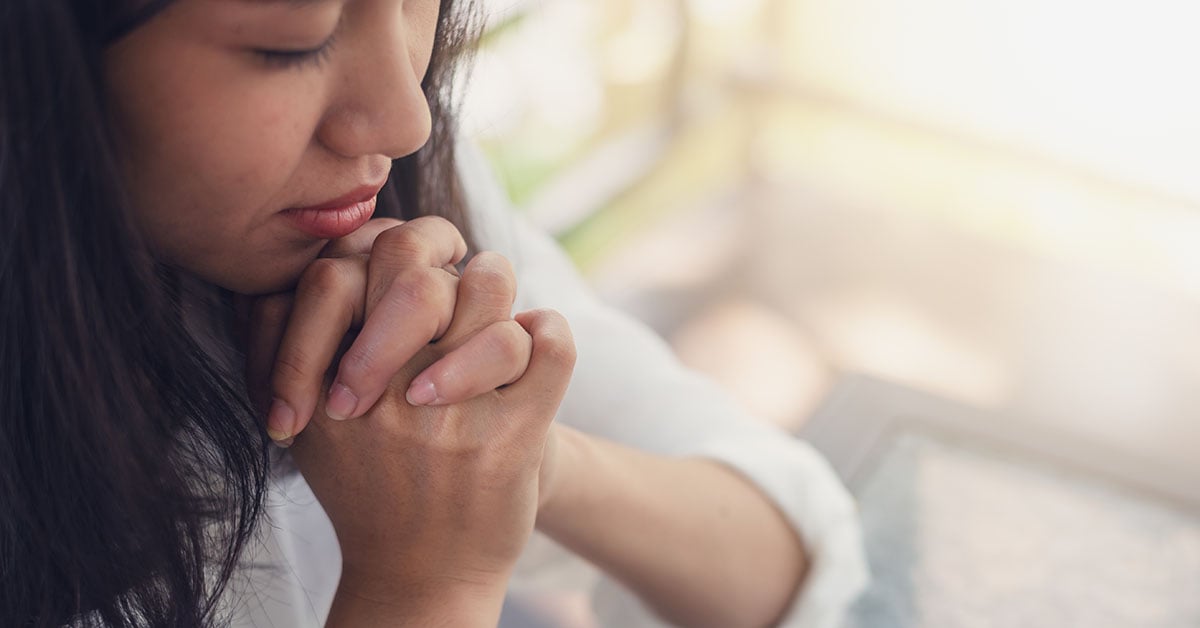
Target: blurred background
pixel 995 203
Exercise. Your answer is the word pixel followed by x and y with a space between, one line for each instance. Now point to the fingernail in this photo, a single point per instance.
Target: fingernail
pixel 342 402
pixel 281 421
pixel 421 393
pixel 284 444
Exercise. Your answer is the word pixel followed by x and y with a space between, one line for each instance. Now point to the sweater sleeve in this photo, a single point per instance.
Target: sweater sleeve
pixel 628 387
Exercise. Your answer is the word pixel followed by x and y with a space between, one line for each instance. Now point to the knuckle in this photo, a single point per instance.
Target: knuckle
pixel 324 277
pixel 511 343
pixel 440 227
pixel 492 259
pixel 377 291
pixel 417 230
pixel 561 351
pixel 399 240
pixel 549 320
pixel 436 222
pixel 357 363
pixel 363 365
pixel 413 239
pixel 417 291
pixel 554 340
pixel 291 369
pixel 492 274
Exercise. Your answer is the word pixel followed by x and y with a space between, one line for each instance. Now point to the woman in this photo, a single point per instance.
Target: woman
pixel 189 184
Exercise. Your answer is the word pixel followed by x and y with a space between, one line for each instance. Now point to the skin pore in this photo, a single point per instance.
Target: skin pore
pixel 229 112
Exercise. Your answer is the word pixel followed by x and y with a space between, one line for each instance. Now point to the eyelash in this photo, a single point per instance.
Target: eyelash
pixel 298 58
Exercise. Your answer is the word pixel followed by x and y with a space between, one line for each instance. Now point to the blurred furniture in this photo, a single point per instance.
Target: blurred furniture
pixel 980 520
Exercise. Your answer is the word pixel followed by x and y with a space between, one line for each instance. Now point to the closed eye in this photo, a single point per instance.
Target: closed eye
pixel 297 58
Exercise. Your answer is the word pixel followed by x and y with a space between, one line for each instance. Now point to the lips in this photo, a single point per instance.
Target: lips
pixel 335 218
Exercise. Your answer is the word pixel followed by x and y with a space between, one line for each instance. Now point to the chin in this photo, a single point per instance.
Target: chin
pixel 256 278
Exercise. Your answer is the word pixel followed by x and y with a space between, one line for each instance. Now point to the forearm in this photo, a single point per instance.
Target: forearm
pixel 698 543
pixel 445 605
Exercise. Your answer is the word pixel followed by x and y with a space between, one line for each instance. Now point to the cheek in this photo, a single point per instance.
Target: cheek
pixel 207 175
pixel 202 153
pixel 183 148
pixel 190 113
pixel 216 187
pixel 211 149
pixel 254 148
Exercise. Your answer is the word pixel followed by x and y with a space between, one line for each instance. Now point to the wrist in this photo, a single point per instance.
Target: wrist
pixel 563 485
pixel 364 599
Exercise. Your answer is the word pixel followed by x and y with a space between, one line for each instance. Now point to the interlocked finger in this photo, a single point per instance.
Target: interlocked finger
pixel 496 355
pixel 415 310
pixel 361 240
pixel 486 293
pixel 551 362
pixel 327 305
pixel 426 242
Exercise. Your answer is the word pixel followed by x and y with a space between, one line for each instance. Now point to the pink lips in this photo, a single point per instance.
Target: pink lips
pixel 336 218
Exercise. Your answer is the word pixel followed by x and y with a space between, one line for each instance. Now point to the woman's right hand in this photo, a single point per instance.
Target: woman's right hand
pixel 390 288
pixel 433 504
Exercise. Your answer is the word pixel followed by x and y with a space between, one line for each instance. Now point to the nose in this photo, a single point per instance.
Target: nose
pixel 379 107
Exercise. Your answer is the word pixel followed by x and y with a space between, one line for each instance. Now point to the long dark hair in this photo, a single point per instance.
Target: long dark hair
pixel 132 467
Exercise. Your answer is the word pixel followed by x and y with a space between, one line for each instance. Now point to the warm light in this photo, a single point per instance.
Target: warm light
pixel 884 336
pixel 643 49
pixel 759 356
pixel 724 12
pixel 1109 86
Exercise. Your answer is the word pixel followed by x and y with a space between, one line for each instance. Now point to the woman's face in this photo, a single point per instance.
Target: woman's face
pixel 225 126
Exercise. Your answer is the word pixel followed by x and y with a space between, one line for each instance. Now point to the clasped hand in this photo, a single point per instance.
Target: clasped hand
pixel 428 441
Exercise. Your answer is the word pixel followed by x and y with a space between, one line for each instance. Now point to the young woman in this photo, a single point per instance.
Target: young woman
pixel 232 222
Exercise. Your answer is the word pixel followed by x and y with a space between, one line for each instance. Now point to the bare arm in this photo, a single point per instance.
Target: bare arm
pixel 448 605
pixel 694 540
